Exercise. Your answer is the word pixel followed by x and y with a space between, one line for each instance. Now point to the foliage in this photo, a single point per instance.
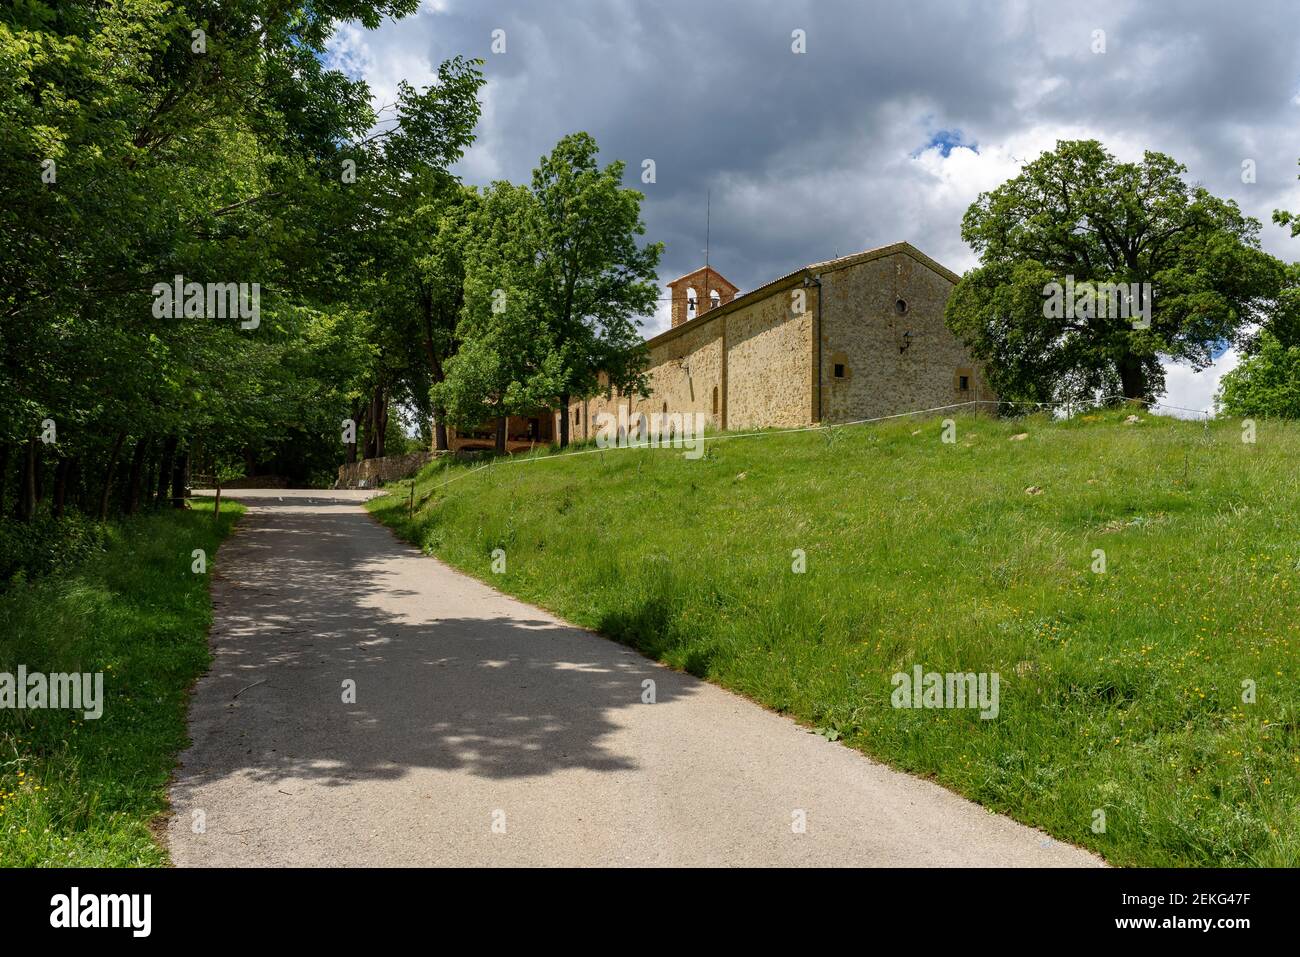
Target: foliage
pixel 593 277
pixel 47 544
pixel 1078 214
pixel 1266 383
pixel 143 140
pixel 84 793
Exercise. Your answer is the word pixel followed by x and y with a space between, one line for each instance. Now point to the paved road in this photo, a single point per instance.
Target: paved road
pixel 485 731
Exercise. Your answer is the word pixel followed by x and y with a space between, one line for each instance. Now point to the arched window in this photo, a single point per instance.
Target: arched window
pixel 715 299
pixel 690 301
pixel 715 400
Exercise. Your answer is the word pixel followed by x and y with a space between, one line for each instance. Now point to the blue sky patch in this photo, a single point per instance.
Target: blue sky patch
pixel 947 140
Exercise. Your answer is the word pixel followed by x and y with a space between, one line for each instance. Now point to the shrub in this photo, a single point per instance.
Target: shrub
pixel 47 544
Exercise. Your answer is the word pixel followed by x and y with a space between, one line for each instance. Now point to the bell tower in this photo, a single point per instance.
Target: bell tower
pixel 697 292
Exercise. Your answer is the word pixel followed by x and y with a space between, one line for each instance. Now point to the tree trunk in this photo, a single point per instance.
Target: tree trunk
pixel 28 490
pixel 4 475
pixel 39 474
pixel 75 490
pixel 165 469
pixel 1131 377
pixel 60 486
pixel 440 430
pixel 108 476
pixel 216 502
pixel 435 372
pixel 180 473
pixel 151 480
pixel 380 418
pixel 501 435
pixel 356 425
pixel 368 447
pixel 137 471
pixel 564 421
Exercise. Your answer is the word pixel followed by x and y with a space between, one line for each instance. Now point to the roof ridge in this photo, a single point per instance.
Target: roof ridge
pixel 840 262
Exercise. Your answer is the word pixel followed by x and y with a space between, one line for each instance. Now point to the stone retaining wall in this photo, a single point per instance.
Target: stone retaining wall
pixel 371 473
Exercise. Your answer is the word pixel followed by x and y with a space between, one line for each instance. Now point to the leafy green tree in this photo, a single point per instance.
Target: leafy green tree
pixel 1265 383
pixel 1076 217
pixel 507 362
pixel 1284 218
pixel 440 289
pixel 593 279
pixel 408 192
pixel 144 139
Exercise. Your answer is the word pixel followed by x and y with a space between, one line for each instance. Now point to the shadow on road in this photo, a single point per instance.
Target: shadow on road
pixel 308 597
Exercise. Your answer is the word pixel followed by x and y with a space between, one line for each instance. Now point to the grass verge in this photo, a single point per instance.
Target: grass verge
pixel 1125 694
pixel 83 793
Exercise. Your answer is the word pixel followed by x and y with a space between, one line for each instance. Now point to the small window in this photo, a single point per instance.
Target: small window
pixel 839 363
pixel 715 400
pixel 963 383
pixel 900 306
pixel 665 408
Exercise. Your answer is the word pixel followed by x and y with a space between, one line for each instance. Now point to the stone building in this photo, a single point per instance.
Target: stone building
pixel 851 338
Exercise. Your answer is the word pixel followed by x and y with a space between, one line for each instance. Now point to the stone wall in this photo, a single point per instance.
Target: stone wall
pixel 770 360
pixel 882 323
pixel 685 369
pixel 375 472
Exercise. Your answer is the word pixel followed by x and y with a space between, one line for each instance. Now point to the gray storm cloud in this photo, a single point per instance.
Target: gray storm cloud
pixel 885 129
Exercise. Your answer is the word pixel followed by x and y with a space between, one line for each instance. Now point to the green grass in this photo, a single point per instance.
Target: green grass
pixel 1120 692
pixel 84 793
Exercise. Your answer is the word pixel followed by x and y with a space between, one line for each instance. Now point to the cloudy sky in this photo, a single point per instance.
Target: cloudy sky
pixel 888 126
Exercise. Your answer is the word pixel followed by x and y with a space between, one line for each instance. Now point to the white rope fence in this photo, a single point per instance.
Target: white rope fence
pixel 728 436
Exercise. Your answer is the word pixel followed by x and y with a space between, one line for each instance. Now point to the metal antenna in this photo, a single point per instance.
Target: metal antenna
pixel 708 223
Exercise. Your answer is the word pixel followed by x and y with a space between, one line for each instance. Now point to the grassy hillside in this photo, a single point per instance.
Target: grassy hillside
pixel 1120 691
pixel 82 793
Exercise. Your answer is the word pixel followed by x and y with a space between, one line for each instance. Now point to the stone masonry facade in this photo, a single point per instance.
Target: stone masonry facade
pixel 857 337
pixel 372 473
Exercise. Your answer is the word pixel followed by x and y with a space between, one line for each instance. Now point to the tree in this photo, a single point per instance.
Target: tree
pixel 1284 218
pixel 140 140
pixel 507 362
pixel 440 286
pixel 411 199
pixel 1265 383
pixel 593 280
pixel 1080 251
pixel 1267 380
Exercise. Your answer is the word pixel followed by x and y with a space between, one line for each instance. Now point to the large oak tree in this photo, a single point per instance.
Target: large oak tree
pixel 1078 215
